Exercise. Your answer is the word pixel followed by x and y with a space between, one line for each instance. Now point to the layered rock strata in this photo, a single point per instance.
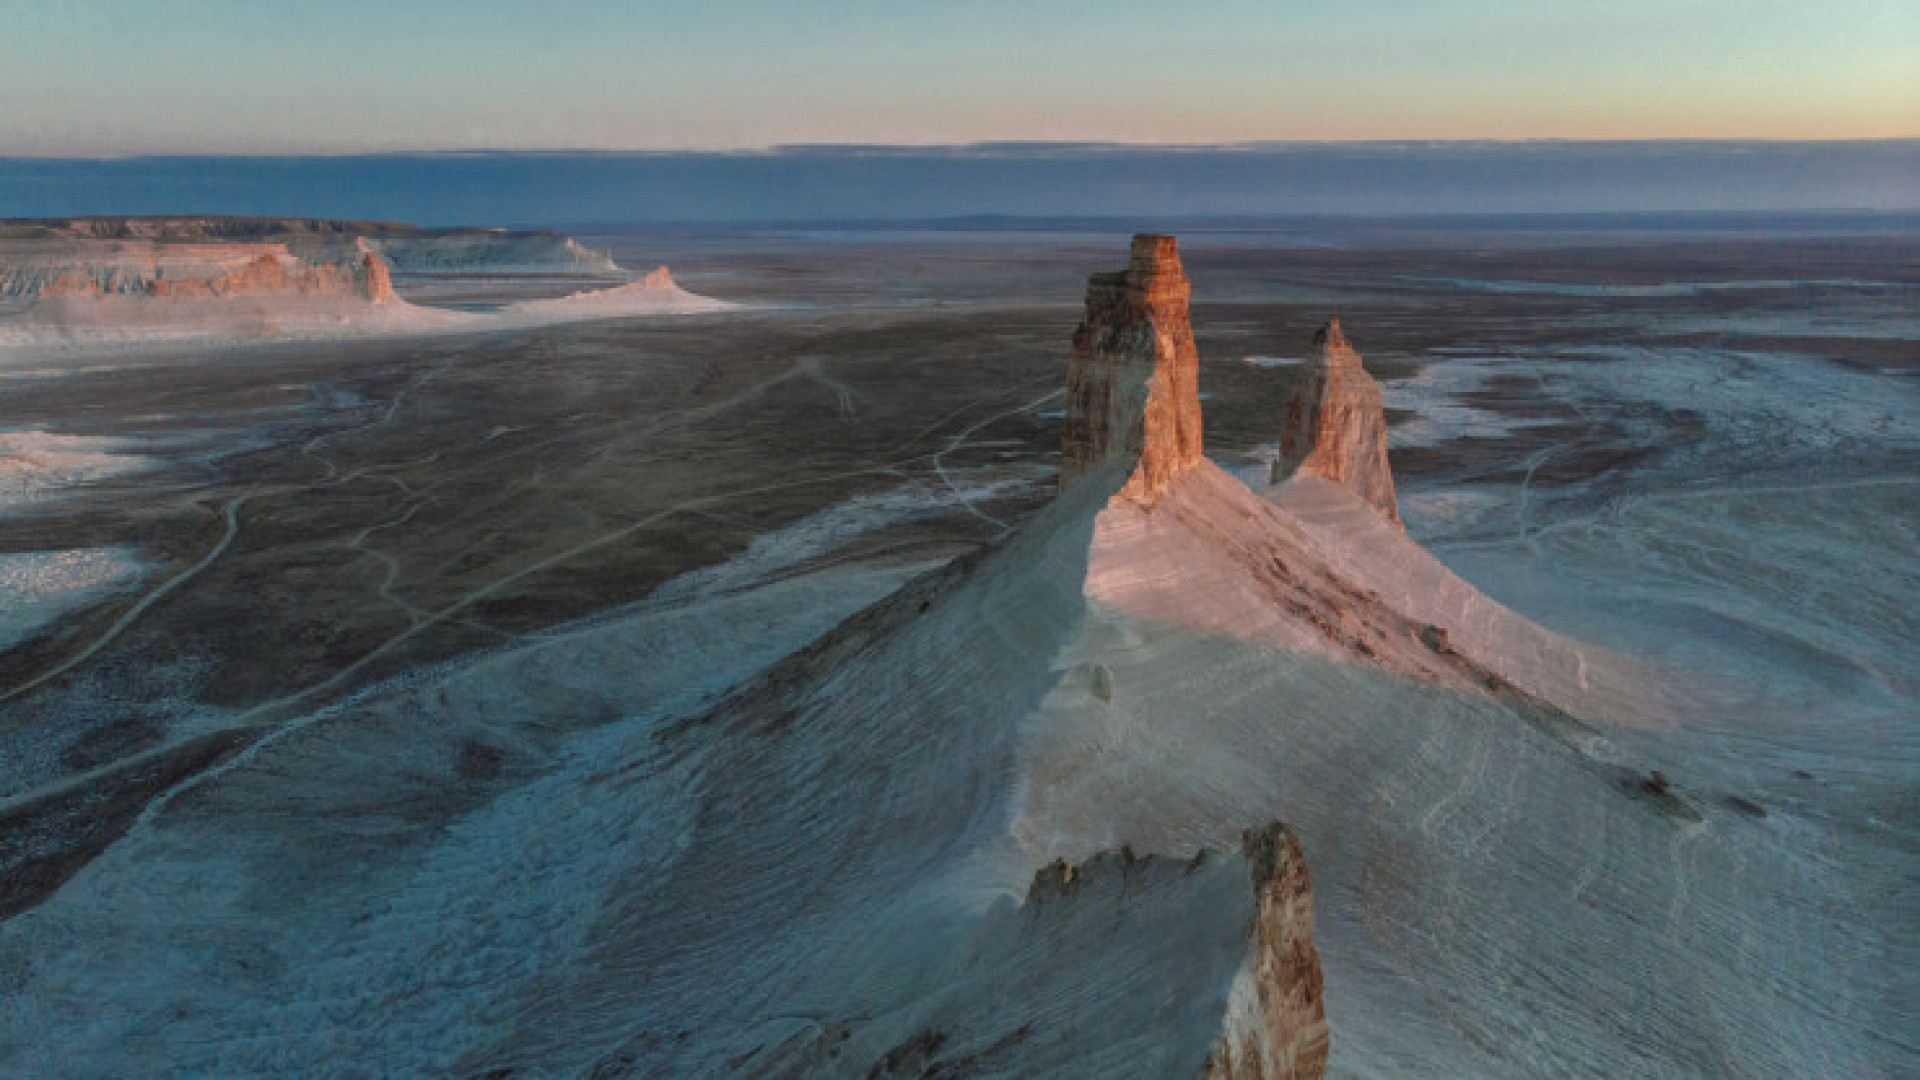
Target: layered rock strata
pixel 1335 426
pixel 407 249
pixel 268 270
pixel 1133 381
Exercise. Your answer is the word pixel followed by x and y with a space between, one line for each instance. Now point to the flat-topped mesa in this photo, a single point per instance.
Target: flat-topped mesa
pixel 1336 425
pixel 1133 382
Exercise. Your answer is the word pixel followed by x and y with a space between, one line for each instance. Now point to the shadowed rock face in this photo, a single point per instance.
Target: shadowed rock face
pixel 1336 427
pixel 1133 382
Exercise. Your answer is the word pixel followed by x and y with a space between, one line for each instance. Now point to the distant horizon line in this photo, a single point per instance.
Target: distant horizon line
pixel 984 147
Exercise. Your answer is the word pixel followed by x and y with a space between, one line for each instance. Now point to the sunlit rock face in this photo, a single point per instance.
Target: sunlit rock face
pixel 1319 565
pixel 376 278
pixel 1335 426
pixel 191 271
pixel 1133 382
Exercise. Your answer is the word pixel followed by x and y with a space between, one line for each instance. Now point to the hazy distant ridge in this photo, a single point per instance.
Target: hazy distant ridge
pixel 890 182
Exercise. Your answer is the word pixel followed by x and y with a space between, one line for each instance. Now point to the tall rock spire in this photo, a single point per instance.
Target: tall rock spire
pixel 377 279
pixel 1336 426
pixel 1133 383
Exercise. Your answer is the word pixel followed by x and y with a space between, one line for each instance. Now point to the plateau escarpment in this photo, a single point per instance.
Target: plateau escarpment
pixel 75 284
pixel 271 272
pixel 51 270
pixel 408 249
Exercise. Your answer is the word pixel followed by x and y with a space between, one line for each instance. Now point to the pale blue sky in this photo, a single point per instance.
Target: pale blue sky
pixel 93 77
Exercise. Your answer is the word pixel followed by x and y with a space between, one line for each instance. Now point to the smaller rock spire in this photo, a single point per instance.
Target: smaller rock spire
pixel 377 278
pixel 1336 425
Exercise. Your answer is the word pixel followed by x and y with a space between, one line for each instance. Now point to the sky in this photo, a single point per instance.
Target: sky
pixel 89 78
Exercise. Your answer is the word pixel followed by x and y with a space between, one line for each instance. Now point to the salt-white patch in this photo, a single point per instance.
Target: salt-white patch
pixel 1443 511
pixel 820 534
pixel 38 587
pixel 1273 361
pixel 37 465
pixel 1762 404
pixel 1434 393
pixel 1897 322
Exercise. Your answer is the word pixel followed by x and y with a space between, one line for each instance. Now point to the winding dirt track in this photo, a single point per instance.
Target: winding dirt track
pixel 264 716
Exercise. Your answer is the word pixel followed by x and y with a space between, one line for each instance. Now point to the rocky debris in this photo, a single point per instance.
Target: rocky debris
pixel 1133 381
pixel 1656 790
pixel 1101 683
pixel 1336 425
pixel 910 1058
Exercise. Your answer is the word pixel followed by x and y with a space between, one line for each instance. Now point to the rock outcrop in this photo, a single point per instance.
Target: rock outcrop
pixel 407 249
pixel 654 293
pixel 1336 427
pixel 1275 1027
pixel 1285 1037
pixel 1133 382
pixel 376 278
pixel 128 256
